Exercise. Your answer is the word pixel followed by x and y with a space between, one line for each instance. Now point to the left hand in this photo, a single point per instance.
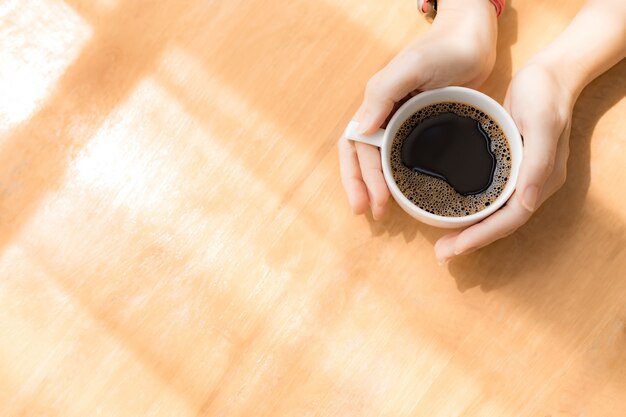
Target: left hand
pixel 459 49
pixel 541 107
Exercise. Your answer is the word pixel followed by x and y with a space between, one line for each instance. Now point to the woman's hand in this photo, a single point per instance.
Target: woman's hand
pixel 459 49
pixel 540 99
pixel 541 107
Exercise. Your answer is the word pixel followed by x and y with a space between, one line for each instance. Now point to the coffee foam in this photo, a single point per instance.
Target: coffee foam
pixel 436 195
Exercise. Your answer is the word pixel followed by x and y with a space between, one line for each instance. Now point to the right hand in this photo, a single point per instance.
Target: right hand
pixel 541 104
pixel 459 49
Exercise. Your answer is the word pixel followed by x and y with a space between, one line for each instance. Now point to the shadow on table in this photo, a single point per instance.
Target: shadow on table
pixel 396 222
pixel 546 236
pixel 497 84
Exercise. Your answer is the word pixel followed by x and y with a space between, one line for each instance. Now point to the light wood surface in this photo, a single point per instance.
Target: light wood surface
pixel 175 240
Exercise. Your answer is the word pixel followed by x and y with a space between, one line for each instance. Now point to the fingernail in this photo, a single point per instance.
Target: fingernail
pixel 442 260
pixel 352 204
pixel 364 123
pixel 466 250
pixel 531 195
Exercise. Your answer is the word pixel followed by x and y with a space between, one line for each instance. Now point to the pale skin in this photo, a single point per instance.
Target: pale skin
pixel 459 49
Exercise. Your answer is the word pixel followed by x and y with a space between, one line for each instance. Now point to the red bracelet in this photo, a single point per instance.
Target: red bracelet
pixel 426 6
pixel 499 6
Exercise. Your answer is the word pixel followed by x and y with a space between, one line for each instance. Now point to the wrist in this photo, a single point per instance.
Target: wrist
pixel 473 22
pixel 564 73
pixel 572 71
pixel 465 6
pixel 585 49
pixel 467 15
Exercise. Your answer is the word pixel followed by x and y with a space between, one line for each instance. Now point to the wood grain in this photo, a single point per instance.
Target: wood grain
pixel 175 240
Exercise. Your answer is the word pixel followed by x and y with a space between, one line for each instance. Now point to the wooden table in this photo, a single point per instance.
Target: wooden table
pixel 175 240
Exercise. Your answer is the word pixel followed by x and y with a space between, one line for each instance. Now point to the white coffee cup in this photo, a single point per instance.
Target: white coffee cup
pixel 384 137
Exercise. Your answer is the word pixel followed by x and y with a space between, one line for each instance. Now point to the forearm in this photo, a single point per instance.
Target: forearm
pixel 594 41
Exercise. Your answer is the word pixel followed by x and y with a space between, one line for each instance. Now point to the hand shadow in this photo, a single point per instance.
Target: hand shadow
pixel 531 247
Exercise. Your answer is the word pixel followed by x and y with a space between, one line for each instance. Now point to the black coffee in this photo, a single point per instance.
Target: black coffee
pixel 450 159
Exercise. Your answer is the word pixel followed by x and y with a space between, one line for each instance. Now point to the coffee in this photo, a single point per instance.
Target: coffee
pixel 450 159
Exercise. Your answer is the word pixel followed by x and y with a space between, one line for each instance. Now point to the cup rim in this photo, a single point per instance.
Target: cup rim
pixel 443 94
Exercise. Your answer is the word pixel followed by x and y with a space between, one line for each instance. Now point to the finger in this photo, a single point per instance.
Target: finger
pixel 507 100
pixel 540 144
pixel 444 247
pixel 351 176
pixel 387 87
pixel 500 224
pixel 372 174
pixel 559 173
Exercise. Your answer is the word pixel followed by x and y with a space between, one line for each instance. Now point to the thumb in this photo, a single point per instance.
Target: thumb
pixel 384 90
pixel 540 143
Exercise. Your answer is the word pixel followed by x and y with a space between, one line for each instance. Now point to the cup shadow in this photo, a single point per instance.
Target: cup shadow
pixel 533 246
pixel 397 222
